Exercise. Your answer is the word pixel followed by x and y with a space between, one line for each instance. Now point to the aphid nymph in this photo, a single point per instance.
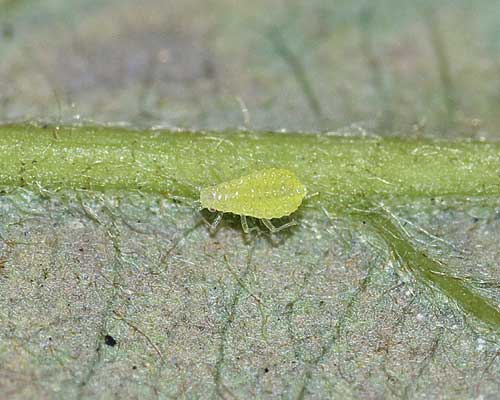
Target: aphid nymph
pixel 265 194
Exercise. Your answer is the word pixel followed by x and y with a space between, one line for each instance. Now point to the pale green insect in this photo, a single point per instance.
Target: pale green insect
pixel 265 194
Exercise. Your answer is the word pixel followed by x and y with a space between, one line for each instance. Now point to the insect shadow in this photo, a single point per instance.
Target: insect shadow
pixel 216 219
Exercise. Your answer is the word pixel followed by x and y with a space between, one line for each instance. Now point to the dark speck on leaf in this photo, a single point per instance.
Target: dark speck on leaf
pixel 110 340
pixel 134 367
pixel 266 370
pixel 8 31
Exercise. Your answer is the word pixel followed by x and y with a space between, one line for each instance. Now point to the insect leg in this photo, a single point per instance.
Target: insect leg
pixel 308 196
pixel 244 224
pixel 217 220
pixel 269 225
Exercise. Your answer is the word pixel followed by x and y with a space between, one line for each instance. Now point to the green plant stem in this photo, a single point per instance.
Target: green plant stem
pixel 345 171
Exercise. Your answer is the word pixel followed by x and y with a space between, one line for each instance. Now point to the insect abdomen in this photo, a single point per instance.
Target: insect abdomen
pixel 269 193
